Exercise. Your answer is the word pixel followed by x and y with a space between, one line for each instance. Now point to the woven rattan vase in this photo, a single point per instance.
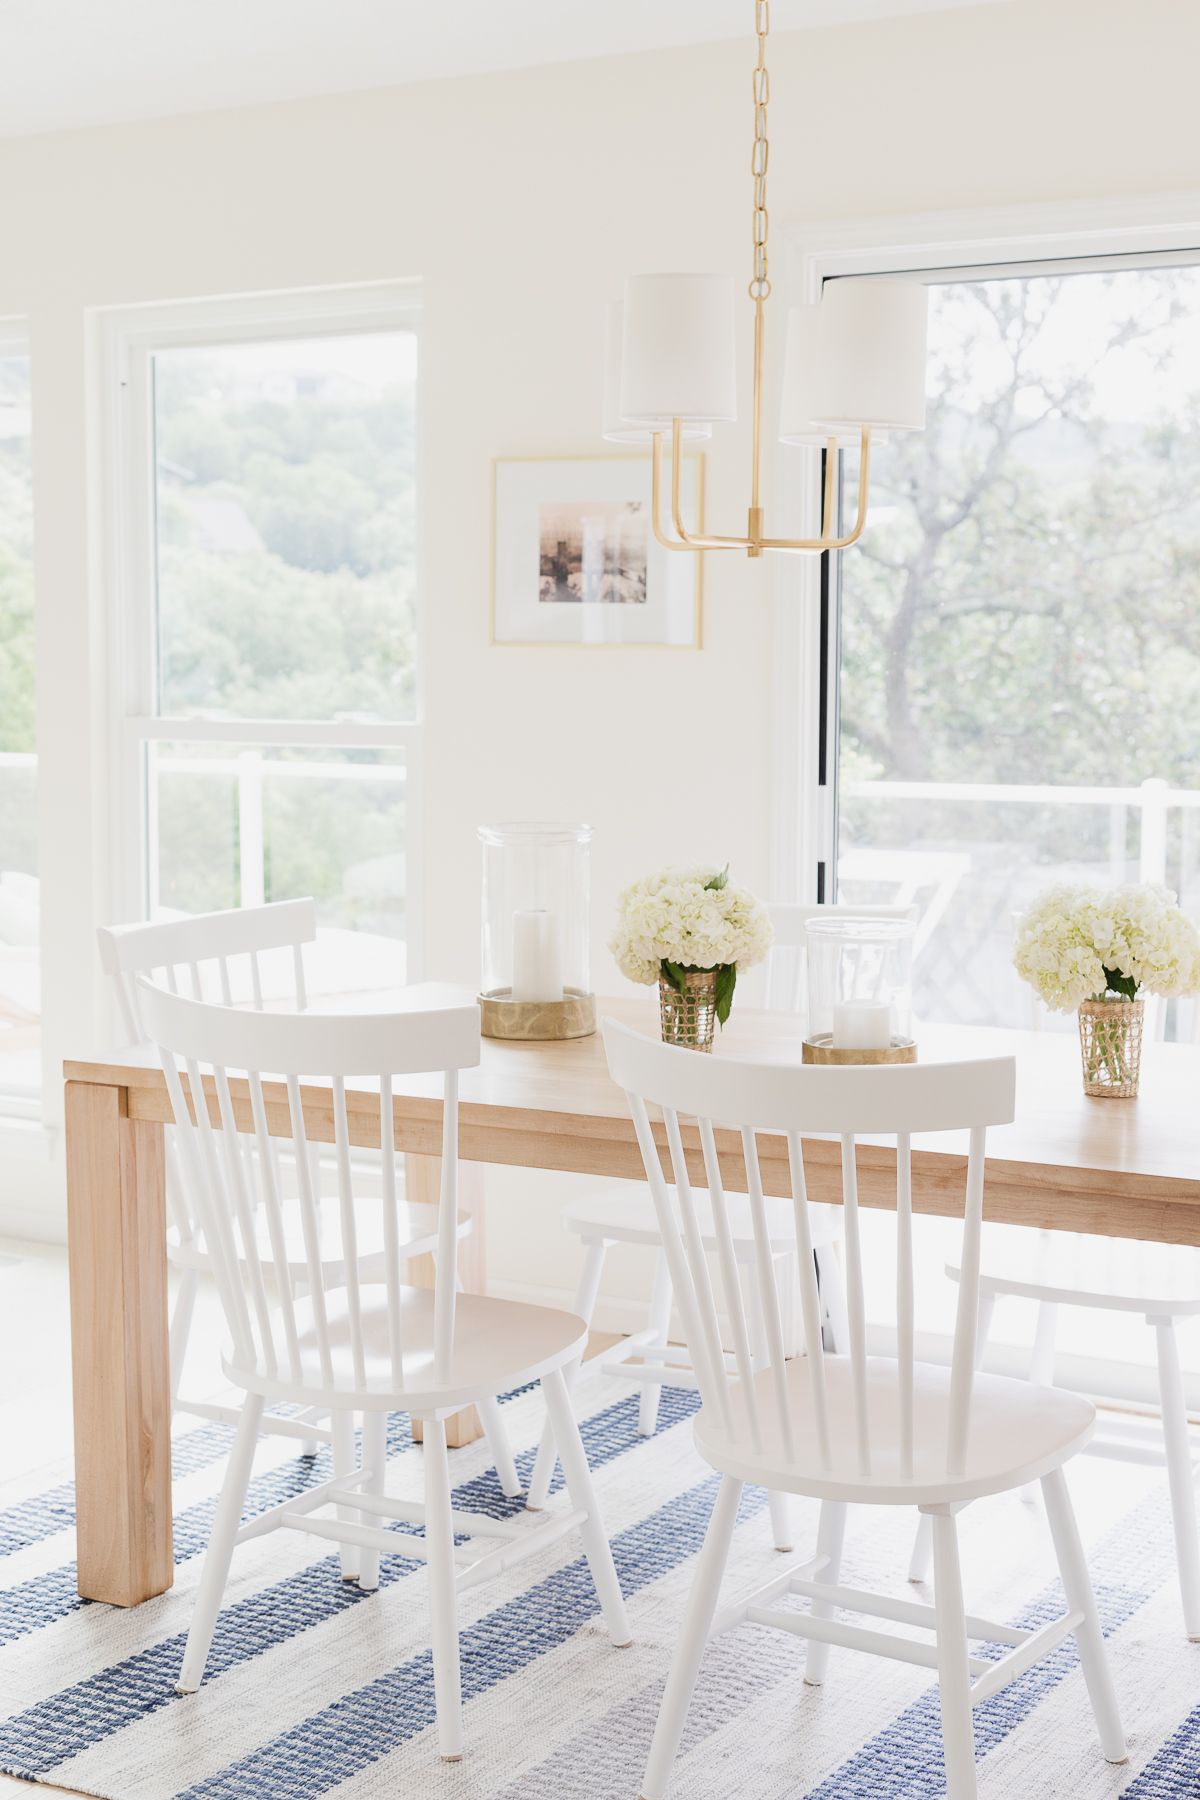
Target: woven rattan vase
pixel 690 1018
pixel 1110 1043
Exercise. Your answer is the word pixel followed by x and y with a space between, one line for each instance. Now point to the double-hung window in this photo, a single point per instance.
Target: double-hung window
pixel 268 744
pixel 1018 684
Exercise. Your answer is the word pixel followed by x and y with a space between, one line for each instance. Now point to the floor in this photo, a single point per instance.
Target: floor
pixel 35 1408
pixel 35 1375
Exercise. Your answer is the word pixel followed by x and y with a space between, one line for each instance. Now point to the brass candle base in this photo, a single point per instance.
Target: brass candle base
pixel 537 1021
pixel 820 1050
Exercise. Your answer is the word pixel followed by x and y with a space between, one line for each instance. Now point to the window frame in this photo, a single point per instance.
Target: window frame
pixel 128 340
pixel 986 241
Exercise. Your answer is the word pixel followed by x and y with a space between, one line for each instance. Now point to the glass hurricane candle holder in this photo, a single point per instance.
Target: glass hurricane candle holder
pixel 860 991
pixel 536 890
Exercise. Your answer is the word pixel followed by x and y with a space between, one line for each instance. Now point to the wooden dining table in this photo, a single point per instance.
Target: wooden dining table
pixel 1117 1168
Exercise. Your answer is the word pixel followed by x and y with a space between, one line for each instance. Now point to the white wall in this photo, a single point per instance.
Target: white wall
pixel 520 200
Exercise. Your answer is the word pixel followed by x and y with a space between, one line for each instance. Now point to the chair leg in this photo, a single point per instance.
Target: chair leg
pixel 585 1304
pixel 313 1414
pixel 1077 1585
pixel 778 1505
pixel 659 1322
pixel 439 1535
pixel 920 1564
pixel 954 1669
pixel 344 1464
pixel 374 1458
pixel 497 1437
pixel 1041 1367
pixel 1179 1474
pixel 219 1554
pixel 831 1532
pixel 831 1283
pixel 308 1446
pixel 693 1639
pixel 181 1326
pixel 578 1478
pixel 779 1508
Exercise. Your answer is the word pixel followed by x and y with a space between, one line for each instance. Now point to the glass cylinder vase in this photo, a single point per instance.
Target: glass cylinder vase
pixel 536 944
pixel 859 990
pixel 1110 1046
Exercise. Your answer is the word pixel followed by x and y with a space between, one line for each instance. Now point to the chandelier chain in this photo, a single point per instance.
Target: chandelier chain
pixel 760 285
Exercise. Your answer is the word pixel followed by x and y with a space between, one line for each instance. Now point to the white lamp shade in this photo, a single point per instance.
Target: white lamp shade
pixel 624 431
pixel 680 350
pixel 868 365
pixel 801 359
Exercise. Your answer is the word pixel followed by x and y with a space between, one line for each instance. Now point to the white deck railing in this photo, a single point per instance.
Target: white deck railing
pixel 1152 800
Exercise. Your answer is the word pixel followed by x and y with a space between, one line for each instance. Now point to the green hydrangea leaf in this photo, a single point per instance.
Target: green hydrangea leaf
pixel 1116 983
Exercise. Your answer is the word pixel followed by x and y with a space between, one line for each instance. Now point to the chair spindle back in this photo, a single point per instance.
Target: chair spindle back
pixel 744 1101
pixel 224 1066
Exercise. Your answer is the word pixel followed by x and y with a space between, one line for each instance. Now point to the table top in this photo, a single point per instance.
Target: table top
pixel 554 1105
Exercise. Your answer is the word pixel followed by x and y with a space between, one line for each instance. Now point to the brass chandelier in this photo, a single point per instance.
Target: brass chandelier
pixel 854 368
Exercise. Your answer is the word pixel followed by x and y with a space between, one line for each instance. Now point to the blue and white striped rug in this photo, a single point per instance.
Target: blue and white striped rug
pixel 314 1688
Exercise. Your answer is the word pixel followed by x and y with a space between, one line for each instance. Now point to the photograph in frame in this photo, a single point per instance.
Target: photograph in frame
pixel 576 560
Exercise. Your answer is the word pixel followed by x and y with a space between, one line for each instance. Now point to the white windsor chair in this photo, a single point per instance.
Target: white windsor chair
pixel 356 1346
pixel 1160 1281
pixel 256 954
pixel 851 1428
pixel 625 1215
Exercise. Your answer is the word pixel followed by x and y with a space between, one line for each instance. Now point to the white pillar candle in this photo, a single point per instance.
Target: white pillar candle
pixel 861 1025
pixel 537 956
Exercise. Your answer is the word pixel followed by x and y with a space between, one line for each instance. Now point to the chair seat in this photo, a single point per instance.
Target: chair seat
pixel 498 1344
pixel 626 1215
pixel 1018 1432
pixel 1114 1273
pixel 416 1230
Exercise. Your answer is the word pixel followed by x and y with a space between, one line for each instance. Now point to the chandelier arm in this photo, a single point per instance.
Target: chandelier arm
pixel 663 537
pixel 864 483
pixel 831 469
pixel 692 542
pixel 825 542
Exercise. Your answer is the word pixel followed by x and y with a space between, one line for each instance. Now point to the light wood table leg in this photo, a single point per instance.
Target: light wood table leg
pixel 422 1175
pixel 116 1224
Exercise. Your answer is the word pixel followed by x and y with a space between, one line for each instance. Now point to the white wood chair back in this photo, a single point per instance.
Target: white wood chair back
pixel 782 986
pixel 212 956
pixel 220 1175
pixel 891 1102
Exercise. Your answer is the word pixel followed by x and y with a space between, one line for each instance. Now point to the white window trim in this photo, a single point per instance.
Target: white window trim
pixel 19 1111
pixel 802 823
pixel 124 342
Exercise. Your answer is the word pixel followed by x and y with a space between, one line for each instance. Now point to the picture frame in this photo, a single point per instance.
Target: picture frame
pixel 575 561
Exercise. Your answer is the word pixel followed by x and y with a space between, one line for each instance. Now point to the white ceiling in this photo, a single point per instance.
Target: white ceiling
pixel 71 63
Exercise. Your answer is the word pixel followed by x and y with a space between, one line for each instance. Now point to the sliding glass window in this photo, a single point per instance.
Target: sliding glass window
pixel 1019 685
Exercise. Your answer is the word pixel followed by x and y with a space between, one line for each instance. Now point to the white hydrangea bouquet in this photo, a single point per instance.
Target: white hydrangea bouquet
pixel 1095 950
pixel 688 929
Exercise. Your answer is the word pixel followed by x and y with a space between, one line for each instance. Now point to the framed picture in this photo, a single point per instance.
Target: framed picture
pixel 575 559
